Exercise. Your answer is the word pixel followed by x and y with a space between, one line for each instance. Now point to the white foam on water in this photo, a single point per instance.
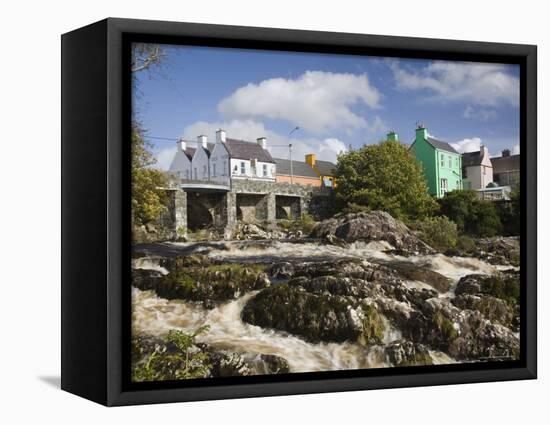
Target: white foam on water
pixel 156 316
pixel 148 263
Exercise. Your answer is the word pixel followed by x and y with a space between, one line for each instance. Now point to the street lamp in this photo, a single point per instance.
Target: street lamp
pixel 290 154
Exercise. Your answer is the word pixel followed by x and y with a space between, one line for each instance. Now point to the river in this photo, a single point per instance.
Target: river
pixel 155 316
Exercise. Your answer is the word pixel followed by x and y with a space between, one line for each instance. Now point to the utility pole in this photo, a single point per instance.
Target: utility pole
pixel 290 154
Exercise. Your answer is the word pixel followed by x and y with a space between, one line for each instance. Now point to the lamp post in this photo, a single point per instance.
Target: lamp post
pixel 290 154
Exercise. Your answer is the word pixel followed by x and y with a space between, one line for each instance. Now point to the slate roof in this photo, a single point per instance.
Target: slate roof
pixel 299 168
pixel 438 144
pixel 326 168
pixel 241 149
pixel 470 159
pixel 189 152
pixel 503 164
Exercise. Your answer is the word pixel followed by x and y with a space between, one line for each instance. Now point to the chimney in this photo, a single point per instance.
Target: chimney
pixel 421 132
pixel 506 152
pixel 310 159
pixel 393 136
pixel 262 141
pixel 202 140
pixel 484 151
pixel 220 136
pixel 182 144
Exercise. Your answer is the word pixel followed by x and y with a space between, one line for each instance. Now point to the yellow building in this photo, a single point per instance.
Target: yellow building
pixel 324 169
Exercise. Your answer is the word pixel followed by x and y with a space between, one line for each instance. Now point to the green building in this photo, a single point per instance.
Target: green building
pixel 442 165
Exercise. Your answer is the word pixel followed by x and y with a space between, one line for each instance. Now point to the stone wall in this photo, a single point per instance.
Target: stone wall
pixel 248 200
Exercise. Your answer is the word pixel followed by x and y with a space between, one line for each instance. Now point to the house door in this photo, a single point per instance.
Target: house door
pixel 444 186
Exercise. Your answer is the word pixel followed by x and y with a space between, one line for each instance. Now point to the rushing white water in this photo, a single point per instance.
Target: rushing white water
pixel 148 263
pixel 156 316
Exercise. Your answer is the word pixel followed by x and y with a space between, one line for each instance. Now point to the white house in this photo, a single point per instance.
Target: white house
pixel 200 164
pixel 219 160
pixel 181 164
pixel 250 160
pixel 477 169
pixel 224 160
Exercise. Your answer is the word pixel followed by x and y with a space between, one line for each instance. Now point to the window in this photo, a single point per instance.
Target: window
pixel 264 168
pixel 204 174
pixel 196 174
pixel 450 161
pixel 187 174
pixel 484 170
pixel 444 186
pixel 214 170
pixel 442 160
pixel 243 167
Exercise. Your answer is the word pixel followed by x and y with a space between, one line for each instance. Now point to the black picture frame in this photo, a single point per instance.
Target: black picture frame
pixel 96 210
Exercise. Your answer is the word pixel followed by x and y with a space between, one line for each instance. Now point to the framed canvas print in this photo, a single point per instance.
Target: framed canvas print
pixel 252 212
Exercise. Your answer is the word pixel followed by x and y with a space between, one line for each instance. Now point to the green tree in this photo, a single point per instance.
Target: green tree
pixel 472 215
pixel 383 177
pixel 148 200
pixel 509 213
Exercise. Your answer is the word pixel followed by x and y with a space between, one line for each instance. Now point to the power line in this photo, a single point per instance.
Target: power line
pixel 194 141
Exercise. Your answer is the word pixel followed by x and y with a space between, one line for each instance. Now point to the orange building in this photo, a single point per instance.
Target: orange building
pixel 301 173
pixel 323 169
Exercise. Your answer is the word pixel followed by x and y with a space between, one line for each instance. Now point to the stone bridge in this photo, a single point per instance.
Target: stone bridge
pixel 200 205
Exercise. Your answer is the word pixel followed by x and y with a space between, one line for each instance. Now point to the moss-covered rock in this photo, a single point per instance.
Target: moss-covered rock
pixel 197 278
pixel 423 274
pixel 505 286
pixel 407 353
pixel 494 309
pixel 292 309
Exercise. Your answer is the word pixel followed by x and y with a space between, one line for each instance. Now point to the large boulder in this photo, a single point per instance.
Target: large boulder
pixel 407 353
pixel 197 278
pixel 421 273
pixel 367 227
pixel 292 309
pixel 499 250
pixel 505 285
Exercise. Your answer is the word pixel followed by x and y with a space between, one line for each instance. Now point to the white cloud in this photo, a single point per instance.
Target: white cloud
pixel 324 148
pixel 515 150
pixel 479 83
pixel 164 157
pixel 479 114
pixel 467 145
pixel 316 101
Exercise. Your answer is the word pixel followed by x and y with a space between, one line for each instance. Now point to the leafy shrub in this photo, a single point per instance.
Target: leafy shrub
pixel 176 358
pixel 305 224
pixel 472 215
pixel 438 232
pixel 465 244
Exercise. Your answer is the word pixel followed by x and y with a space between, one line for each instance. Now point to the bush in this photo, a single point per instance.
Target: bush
pixel 473 216
pixel 305 224
pixel 176 358
pixel 438 232
pixel 465 244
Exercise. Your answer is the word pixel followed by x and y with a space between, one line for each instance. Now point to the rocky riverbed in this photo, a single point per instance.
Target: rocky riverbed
pixel 360 291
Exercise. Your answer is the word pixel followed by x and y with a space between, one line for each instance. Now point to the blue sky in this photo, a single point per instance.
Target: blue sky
pixel 337 100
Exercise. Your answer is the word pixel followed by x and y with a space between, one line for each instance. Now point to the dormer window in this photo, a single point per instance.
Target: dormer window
pixel 264 168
